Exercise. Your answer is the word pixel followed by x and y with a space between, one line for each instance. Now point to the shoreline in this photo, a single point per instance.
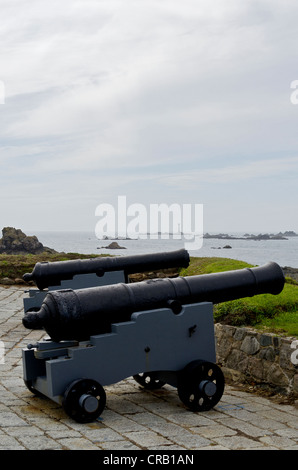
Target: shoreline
pixel 290 272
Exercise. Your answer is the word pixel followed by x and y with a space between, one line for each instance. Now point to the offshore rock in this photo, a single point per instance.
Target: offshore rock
pixel 15 242
pixel 114 246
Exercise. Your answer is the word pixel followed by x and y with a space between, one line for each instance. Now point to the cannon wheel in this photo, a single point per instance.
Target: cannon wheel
pixel 84 400
pixel 200 385
pixel 149 381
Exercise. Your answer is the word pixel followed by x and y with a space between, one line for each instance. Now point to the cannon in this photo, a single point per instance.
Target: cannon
pixel 94 272
pixel 159 331
pixel 78 314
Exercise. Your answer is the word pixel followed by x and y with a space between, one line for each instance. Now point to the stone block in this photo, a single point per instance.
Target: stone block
pixel 250 345
pixel 267 354
pixel 223 348
pixel 265 340
pixel 240 334
pixel 237 360
pixel 276 376
pixel 255 368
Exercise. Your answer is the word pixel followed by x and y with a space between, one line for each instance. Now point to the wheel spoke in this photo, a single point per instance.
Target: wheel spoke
pixel 149 381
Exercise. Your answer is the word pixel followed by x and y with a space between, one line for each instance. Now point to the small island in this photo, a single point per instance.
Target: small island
pixel 247 236
pixel 113 246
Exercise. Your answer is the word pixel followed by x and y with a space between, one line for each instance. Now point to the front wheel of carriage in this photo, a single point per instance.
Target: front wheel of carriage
pixel 84 400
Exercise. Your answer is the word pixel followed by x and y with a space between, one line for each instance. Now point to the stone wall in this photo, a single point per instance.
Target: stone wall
pixel 248 356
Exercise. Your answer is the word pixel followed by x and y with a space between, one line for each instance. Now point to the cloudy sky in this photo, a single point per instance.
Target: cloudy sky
pixel 162 101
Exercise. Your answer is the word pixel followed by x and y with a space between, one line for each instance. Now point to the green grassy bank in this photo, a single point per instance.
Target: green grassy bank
pixel 274 313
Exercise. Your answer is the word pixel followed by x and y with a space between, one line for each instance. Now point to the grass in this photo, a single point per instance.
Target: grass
pixel 14 266
pixel 212 265
pixel 275 313
pixel 285 323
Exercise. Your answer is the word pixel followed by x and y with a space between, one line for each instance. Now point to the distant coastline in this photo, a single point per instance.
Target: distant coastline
pixel 247 236
pixel 219 236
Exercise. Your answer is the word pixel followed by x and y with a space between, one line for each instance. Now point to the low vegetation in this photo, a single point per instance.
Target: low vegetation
pixel 275 313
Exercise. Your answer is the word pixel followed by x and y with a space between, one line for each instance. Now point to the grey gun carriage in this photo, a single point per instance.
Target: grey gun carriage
pixel 95 272
pixel 159 331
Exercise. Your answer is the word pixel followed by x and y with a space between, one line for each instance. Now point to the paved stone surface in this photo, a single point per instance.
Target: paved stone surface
pixel 133 419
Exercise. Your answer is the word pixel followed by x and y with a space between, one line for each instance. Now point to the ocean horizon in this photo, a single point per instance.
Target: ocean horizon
pixel 256 252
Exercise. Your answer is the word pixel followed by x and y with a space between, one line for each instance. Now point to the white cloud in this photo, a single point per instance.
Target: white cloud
pixel 148 87
pixel 270 168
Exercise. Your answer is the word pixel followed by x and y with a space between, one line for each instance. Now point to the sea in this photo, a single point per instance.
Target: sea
pixel 255 252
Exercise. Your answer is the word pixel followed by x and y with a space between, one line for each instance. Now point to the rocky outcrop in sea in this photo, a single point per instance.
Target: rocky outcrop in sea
pixel 16 242
pixel 247 236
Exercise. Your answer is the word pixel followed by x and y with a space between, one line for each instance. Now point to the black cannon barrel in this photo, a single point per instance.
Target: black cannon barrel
pixel 47 274
pixel 79 314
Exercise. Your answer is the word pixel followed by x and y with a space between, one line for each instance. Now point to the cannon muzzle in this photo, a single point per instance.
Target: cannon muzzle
pixel 79 314
pixel 46 274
